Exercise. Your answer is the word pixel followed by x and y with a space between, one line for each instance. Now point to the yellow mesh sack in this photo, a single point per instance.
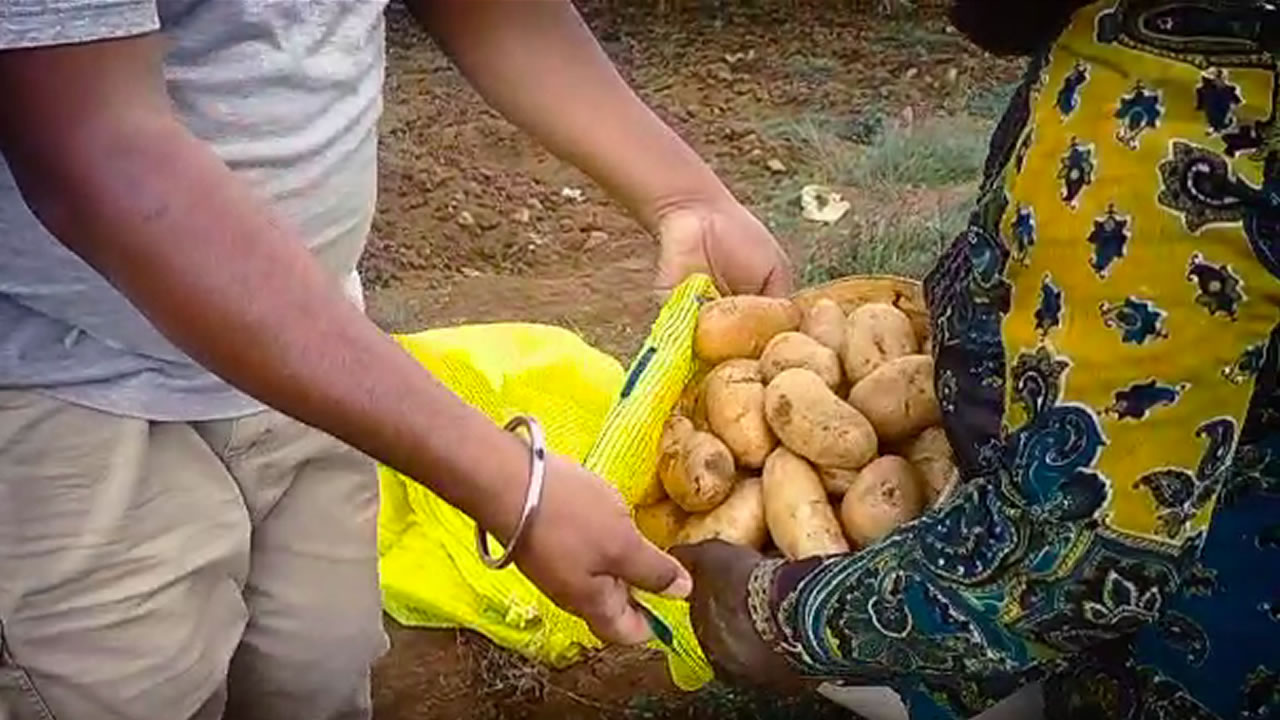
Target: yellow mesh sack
pixel 593 412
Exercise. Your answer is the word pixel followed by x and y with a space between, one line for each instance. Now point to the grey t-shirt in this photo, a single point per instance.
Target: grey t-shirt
pixel 287 93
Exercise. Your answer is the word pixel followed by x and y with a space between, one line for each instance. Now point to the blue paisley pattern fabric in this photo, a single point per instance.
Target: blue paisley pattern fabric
pixel 1107 341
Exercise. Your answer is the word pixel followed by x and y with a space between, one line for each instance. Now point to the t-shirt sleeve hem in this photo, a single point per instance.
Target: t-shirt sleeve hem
pixel 66 22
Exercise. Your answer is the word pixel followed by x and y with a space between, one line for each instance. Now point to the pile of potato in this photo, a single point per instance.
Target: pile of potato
pixel 814 432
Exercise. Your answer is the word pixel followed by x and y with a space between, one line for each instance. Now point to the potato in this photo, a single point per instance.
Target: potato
pixel 740 326
pixel 898 398
pixel 931 454
pixel 886 495
pixel 653 493
pixel 693 403
pixel 837 481
pixel 825 322
pixel 735 411
pixel 704 476
pixel 738 520
pixel 801 520
pixel 687 405
pixel 814 422
pixel 876 333
pixel 661 522
pixel 796 350
pixel 671 451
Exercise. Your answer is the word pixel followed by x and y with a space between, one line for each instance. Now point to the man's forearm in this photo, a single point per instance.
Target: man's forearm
pixel 538 64
pixel 167 223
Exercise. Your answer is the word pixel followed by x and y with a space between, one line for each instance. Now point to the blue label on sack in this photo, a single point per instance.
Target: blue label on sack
pixel 658 626
pixel 641 365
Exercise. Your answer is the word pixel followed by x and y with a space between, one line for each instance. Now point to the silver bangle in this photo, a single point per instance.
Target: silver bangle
pixel 532 498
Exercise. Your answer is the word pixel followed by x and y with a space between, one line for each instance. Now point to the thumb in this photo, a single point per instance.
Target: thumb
pixel 778 282
pixel 675 265
pixel 648 568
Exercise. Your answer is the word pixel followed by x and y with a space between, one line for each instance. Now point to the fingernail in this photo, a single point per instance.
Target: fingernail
pixel 682 587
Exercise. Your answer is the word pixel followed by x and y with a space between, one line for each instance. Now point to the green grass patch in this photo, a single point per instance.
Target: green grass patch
pixel 911 186
pixel 933 153
pixel 990 103
pixel 906 245
pixel 830 156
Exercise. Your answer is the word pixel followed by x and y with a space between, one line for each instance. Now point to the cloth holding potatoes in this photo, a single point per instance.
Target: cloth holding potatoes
pixel 813 432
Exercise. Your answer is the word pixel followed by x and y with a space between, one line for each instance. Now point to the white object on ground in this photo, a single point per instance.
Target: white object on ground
pixel 819 203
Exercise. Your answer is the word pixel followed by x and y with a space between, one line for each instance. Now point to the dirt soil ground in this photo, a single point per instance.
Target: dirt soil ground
pixel 475 225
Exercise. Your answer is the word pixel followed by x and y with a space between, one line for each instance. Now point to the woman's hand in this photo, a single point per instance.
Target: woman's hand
pixel 583 550
pixel 724 240
pixel 722 622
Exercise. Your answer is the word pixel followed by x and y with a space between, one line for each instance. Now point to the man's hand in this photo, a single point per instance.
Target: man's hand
pixel 725 241
pixel 722 622
pixel 583 551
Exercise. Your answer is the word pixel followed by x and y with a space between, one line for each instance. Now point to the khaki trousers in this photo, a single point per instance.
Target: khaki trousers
pixel 162 571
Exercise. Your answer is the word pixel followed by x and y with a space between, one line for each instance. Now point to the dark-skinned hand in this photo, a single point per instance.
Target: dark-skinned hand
pixel 722 622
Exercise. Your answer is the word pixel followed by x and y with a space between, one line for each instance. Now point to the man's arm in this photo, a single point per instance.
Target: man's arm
pixel 90 136
pixel 112 173
pixel 538 64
